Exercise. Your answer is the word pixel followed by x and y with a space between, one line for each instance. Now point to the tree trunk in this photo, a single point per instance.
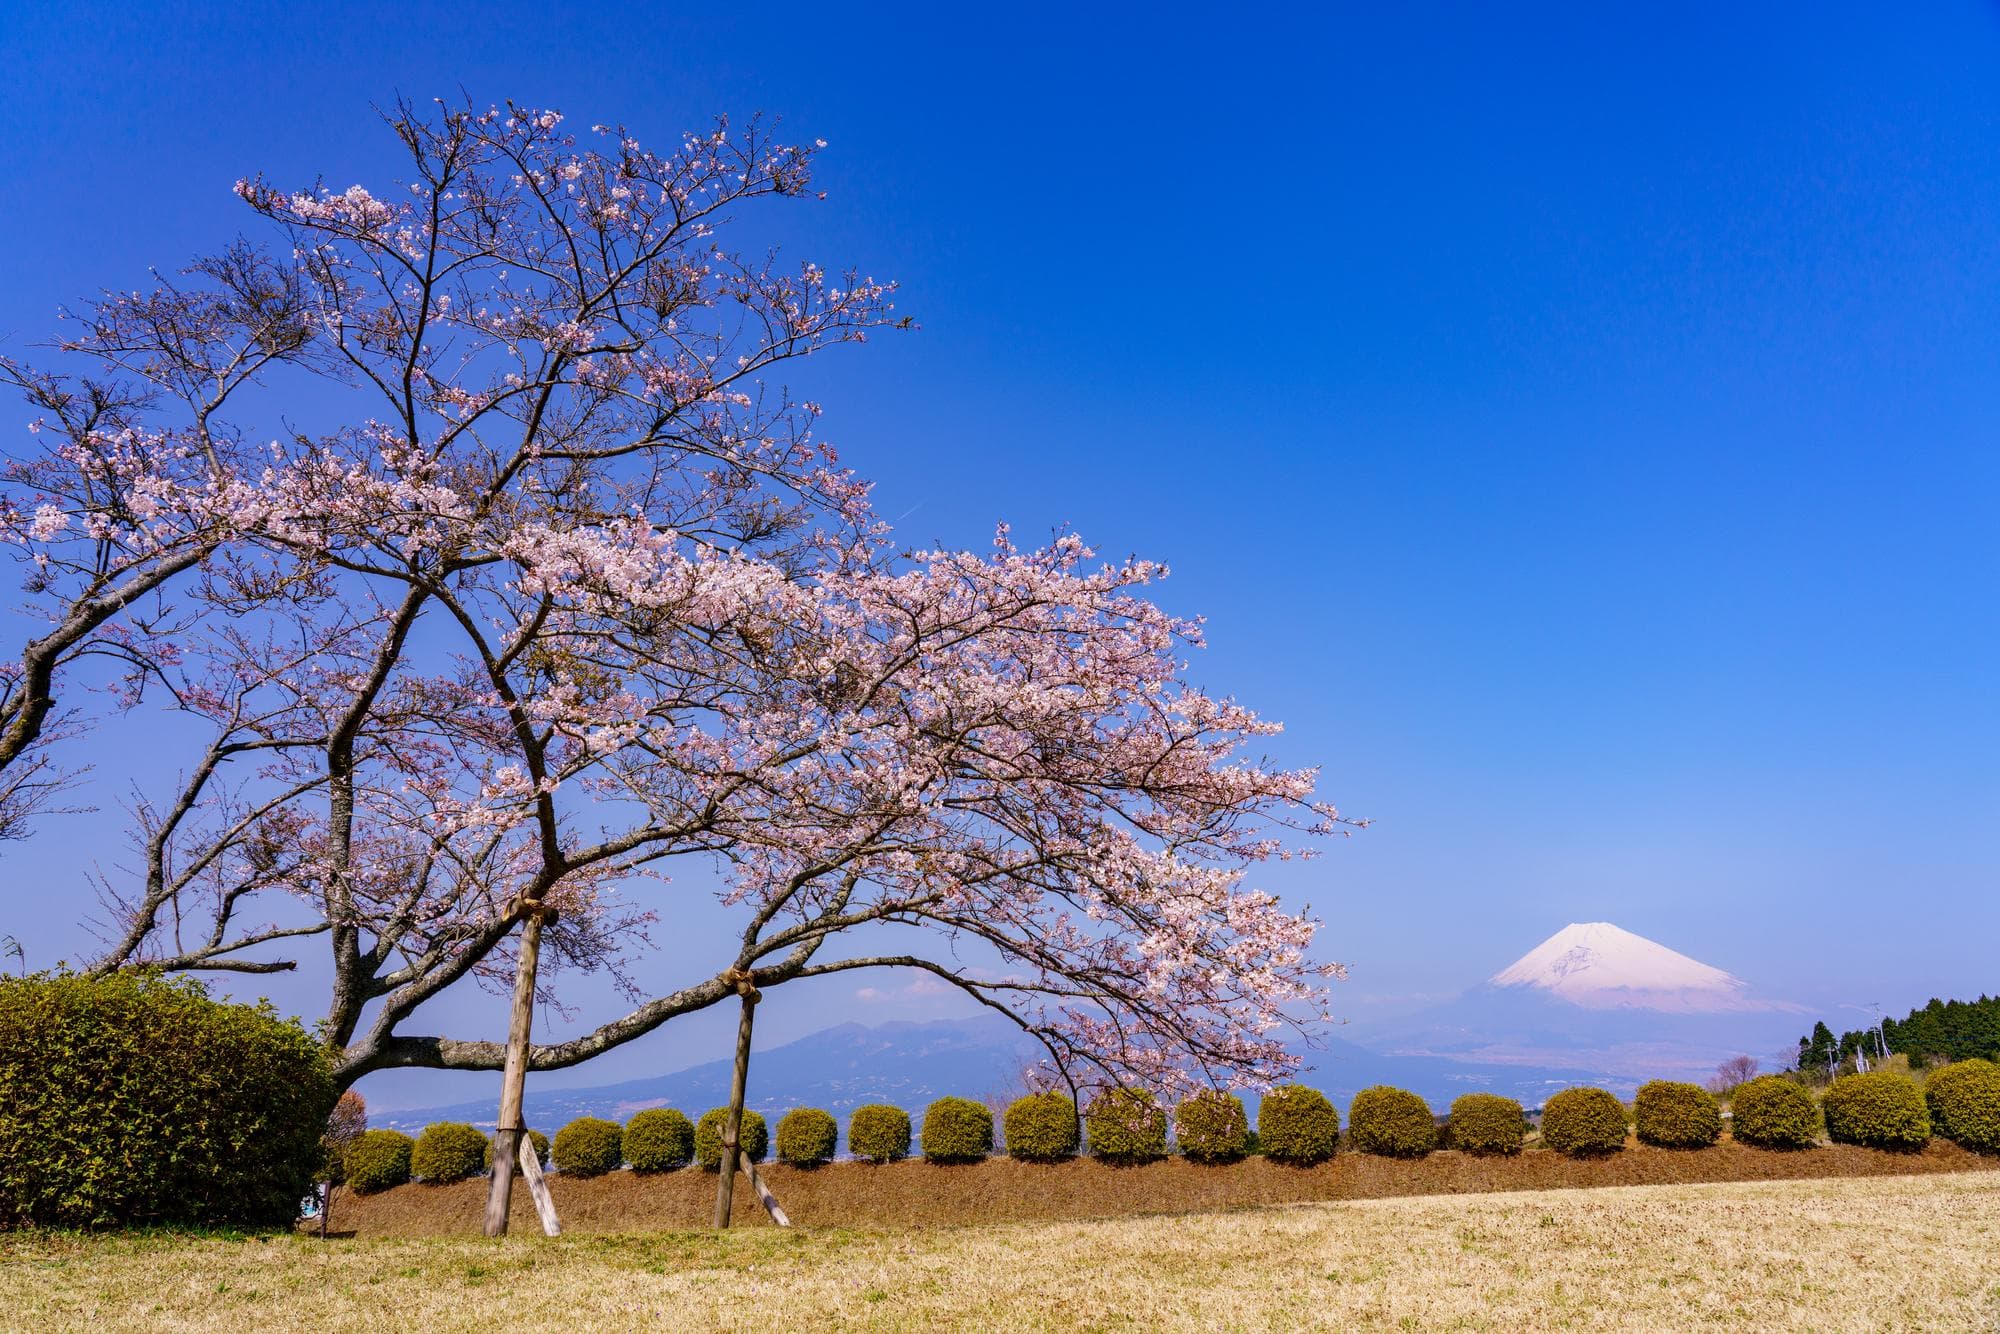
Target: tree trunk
pixel 510 1133
pixel 732 1124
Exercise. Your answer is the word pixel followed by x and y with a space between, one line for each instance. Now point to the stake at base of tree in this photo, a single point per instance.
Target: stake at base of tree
pixel 545 1205
pixel 764 1195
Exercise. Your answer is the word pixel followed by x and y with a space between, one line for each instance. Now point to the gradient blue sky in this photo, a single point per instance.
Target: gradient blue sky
pixel 1577 424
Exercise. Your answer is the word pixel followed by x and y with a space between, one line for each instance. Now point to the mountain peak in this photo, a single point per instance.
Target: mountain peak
pixel 1600 966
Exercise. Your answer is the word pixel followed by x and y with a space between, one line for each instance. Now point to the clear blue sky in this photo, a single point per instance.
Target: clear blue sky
pixel 1578 425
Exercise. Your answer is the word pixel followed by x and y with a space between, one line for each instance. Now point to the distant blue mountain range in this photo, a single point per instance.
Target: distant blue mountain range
pixel 910 1064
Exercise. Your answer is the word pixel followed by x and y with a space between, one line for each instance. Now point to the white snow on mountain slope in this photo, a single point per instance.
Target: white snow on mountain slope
pixel 1600 966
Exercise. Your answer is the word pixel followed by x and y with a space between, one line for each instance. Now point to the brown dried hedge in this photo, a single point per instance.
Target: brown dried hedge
pixel 1674 1115
pixel 1002 1190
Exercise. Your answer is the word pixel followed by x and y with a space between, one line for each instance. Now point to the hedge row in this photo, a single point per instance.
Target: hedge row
pixel 1295 1125
pixel 132 1099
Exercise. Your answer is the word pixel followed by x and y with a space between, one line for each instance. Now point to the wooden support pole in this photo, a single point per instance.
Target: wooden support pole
pixel 545 1205
pixel 770 1201
pixel 509 1134
pixel 732 1124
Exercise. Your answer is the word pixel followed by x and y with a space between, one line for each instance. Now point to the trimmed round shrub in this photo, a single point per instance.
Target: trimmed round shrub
pixel 1584 1123
pixel 753 1137
pixel 1042 1128
pixel 1673 1115
pixel 879 1133
pixel 659 1139
pixel 535 1137
pixel 344 1125
pixel 1297 1126
pixel 377 1160
pixel 807 1137
pixel 1126 1127
pixel 1391 1121
pixel 449 1151
pixel 957 1130
pixel 1210 1127
pixel 1484 1123
pixel 135 1100
pixel 1964 1102
pixel 1880 1110
pixel 1772 1112
pixel 588 1146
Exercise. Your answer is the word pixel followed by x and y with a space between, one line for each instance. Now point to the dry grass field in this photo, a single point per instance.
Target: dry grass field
pixel 1883 1252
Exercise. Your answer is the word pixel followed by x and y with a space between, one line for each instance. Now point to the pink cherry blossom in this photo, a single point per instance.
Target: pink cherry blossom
pixel 571 594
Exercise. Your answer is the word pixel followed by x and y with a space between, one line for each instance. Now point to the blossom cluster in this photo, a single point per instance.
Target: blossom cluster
pixel 574 594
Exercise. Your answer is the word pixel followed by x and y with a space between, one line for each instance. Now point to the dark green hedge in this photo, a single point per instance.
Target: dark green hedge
pixel 133 1099
pixel 535 1137
pixel 378 1160
pixel 1210 1127
pixel 879 1133
pixel 1042 1128
pixel 1772 1112
pixel 753 1137
pixel 1881 1110
pixel 1964 1103
pixel 957 1130
pixel 588 1146
pixel 449 1151
pixel 1671 1115
pixel 1391 1121
pixel 1583 1123
pixel 807 1137
pixel 1485 1123
pixel 659 1139
pixel 1126 1126
pixel 1297 1126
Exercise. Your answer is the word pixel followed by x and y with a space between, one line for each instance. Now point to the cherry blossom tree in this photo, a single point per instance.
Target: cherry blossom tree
pixel 469 530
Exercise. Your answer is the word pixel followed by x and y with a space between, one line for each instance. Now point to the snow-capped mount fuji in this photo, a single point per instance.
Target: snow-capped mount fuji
pixel 1600 966
pixel 1598 996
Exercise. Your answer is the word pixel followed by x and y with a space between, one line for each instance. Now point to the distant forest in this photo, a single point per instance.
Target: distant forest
pixel 1949 1030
